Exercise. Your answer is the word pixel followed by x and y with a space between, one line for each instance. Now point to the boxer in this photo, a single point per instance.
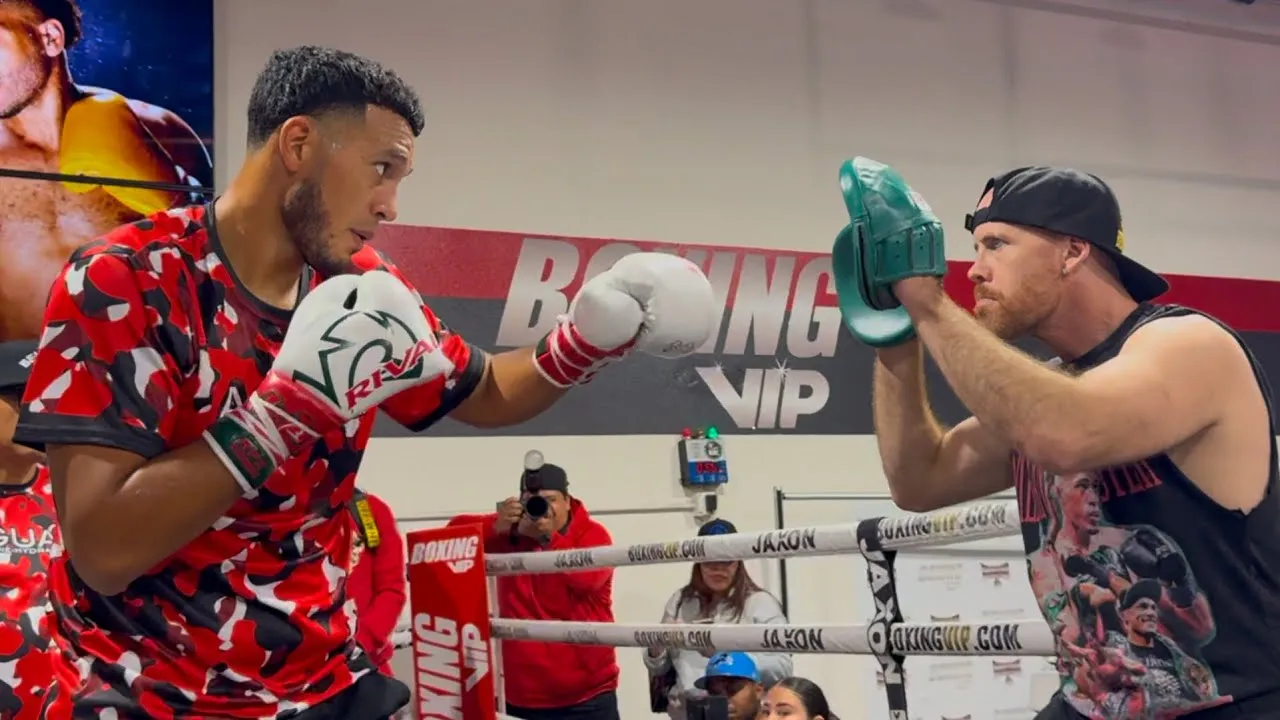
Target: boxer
pixel 206 384
pixel 48 123
pixel 28 539
pixel 1143 456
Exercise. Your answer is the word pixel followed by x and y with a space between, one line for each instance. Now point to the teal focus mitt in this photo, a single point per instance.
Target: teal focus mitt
pixel 892 235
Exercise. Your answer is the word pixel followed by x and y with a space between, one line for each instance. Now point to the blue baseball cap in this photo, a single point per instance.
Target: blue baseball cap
pixel 718 526
pixel 730 665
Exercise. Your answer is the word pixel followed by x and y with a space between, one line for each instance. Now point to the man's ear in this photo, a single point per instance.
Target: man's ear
pixel 53 38
pixel 297 142
pixel 1075 252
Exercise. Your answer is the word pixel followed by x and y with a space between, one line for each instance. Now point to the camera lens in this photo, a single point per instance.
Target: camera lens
pixel 536 506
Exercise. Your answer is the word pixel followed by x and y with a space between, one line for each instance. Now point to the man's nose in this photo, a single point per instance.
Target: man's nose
pixel 384 207
pixel 978 271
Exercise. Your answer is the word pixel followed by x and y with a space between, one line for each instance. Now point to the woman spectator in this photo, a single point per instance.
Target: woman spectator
pixel 795 698
pixel 721 593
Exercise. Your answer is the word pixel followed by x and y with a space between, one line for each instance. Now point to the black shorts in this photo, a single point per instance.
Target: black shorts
pixel 374 697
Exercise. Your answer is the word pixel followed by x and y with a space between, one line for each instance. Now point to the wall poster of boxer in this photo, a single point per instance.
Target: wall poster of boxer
pixel 116 89
pixel 780 362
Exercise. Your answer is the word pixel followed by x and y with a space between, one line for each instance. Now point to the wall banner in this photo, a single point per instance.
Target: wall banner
pixel 779 362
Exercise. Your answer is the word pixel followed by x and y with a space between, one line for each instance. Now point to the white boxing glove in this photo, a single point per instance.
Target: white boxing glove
pixel 658 303
pixel 353 342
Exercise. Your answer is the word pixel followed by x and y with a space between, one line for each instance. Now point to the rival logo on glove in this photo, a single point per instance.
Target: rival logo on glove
pixel 391 370
pixel 410 365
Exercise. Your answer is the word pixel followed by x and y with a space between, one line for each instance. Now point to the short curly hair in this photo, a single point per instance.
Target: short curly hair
pixel 66 12
pixel 310 80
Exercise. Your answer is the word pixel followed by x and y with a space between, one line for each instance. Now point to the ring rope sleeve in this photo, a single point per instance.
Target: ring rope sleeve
pixel 884 593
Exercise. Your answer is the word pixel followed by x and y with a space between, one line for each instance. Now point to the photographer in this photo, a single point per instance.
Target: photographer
pixel 552 680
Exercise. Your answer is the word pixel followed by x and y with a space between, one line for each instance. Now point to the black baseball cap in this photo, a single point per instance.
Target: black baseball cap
pixel 1068 202
pixel 547 477
pixel 718 526
pixel 16 358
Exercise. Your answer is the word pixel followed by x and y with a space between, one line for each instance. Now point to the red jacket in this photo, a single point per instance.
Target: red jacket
pixel 554 675
pixel 378 583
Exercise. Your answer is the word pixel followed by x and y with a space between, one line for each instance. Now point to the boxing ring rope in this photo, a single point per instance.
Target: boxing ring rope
pixel 878 540
pixel 1034 637
pixel 904 532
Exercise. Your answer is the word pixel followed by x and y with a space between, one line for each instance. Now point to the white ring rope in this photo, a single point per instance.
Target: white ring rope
pixel 912 532
pixel 1028 638
pixel 1018 638
pixel 902 532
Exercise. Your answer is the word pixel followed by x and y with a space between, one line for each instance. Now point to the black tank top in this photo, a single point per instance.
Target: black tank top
pixel 1163 602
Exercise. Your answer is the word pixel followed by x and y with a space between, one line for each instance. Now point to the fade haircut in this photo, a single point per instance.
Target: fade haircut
pixel 66 12
pixel 316 81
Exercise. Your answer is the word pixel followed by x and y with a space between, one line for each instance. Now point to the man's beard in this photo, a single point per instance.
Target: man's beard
pixel 25 83
pixel 1006 321
pixel 307 221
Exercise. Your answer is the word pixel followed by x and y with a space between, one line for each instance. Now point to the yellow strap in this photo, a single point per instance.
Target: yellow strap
pixel 372 538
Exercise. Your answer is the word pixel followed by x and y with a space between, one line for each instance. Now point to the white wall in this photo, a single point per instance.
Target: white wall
pixel 724 121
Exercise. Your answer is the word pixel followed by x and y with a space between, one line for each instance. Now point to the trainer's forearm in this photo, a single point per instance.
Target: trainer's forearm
pixel 511 392
pixel 158 509
pixel 1011 392
pixel 906 430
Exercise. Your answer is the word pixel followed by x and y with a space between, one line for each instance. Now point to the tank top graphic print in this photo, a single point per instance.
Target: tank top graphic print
pixel 1161 601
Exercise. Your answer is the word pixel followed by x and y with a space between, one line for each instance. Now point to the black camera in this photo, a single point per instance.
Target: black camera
pixel 711 707
pixel 535 506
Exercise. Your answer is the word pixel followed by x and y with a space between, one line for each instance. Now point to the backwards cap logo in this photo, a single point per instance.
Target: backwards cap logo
pixel 1120 240
pixel 397 355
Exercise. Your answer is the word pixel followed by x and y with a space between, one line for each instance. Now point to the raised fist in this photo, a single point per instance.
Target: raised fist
pixel 1148 555
pixel 657 303
pixel 1082 567
pixel 353 342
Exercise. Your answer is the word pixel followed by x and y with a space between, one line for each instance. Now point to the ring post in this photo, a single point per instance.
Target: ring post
pixel 448 601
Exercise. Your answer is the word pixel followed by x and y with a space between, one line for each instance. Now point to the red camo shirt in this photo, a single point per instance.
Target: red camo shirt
pixel 148 339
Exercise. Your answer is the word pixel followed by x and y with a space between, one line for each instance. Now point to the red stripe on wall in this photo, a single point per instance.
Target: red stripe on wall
pixel 479 264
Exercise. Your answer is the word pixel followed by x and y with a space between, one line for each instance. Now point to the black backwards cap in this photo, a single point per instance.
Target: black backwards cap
pixel 1068 202
pixel 16 358
pixel 541 475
